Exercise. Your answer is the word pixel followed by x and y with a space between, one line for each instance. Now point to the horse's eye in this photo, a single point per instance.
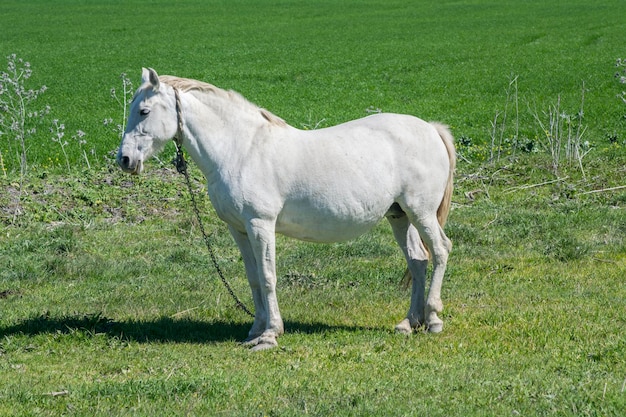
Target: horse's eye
pixel 144 112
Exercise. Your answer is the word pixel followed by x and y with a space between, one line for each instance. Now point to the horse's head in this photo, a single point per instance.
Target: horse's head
pixel 152 121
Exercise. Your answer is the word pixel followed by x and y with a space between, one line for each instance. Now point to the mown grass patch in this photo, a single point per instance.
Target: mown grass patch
pixel 123 314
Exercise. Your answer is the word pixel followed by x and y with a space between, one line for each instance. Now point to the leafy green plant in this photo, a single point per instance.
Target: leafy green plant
pixel 566 248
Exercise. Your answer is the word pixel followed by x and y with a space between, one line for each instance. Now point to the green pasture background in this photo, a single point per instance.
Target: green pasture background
pixel 326 61
pixel 109 305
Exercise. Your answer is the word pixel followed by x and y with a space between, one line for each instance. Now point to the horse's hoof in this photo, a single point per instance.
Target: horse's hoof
pixel 265 343
pixel 435 327
pixel 263 346
pixel 260 343
pixel 404 327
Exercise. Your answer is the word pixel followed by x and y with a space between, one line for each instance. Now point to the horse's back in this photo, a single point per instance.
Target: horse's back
pixel 400 133
pixel 383 146
pixel 340 181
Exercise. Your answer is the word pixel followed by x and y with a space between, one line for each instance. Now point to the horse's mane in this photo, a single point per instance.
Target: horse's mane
pixel 187 84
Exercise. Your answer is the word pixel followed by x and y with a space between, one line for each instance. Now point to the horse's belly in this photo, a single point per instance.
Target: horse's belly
pixel 321 232
pixel 327 226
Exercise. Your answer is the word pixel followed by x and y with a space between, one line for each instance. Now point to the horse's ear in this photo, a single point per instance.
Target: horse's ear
pixel 148 75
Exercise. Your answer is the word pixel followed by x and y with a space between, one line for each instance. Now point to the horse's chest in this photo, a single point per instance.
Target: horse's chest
pixel 226 205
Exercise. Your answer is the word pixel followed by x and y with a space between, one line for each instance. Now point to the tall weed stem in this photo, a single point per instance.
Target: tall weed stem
pixel 17 119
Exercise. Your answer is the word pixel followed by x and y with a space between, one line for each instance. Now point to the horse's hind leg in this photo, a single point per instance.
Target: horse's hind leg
pixel 417 260
pixel 439 246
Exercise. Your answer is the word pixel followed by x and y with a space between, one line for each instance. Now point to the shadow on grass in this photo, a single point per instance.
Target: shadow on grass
pixel 163 330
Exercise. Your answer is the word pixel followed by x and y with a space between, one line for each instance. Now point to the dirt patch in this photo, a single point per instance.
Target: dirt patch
pixel 7 293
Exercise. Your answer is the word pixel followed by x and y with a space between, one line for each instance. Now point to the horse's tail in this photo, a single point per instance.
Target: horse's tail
pixel 446 201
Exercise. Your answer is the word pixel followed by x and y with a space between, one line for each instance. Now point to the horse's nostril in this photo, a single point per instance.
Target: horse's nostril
pixel 124 162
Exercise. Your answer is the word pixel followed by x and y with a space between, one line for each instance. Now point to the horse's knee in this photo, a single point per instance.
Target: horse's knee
pixel 446 242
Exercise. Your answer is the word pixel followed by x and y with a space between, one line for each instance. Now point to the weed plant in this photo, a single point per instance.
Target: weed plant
pixel 621 76
pixel 18 120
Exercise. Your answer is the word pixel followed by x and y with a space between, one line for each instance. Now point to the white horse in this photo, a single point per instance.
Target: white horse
pixel 327 185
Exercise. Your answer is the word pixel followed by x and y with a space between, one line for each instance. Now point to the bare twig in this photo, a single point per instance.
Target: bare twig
pixel 58 393
pixel 606 261
pixel 491 222
pixel 180 313
pixel 471 195
pixel 528 186
pixel 603 190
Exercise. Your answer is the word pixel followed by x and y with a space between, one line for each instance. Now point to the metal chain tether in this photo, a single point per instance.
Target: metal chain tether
pixel 181 167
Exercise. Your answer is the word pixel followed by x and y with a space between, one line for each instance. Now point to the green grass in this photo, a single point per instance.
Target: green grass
pixel 108 301
pixel 120 311
pixel 324 60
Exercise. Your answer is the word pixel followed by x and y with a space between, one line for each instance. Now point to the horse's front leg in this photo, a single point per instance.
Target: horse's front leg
pixel 249 261
pixel 263 243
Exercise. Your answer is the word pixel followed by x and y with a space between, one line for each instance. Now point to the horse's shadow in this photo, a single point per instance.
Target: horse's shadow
pixel 160 330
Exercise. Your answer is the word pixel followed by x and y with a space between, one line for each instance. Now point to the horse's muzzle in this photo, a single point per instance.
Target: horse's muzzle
pixel 129 166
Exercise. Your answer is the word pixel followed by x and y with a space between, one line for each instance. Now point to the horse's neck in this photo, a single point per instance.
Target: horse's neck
pixel 213 135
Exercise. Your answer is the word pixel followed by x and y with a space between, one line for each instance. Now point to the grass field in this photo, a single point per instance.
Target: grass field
pixel 325 61
pixel 109 304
